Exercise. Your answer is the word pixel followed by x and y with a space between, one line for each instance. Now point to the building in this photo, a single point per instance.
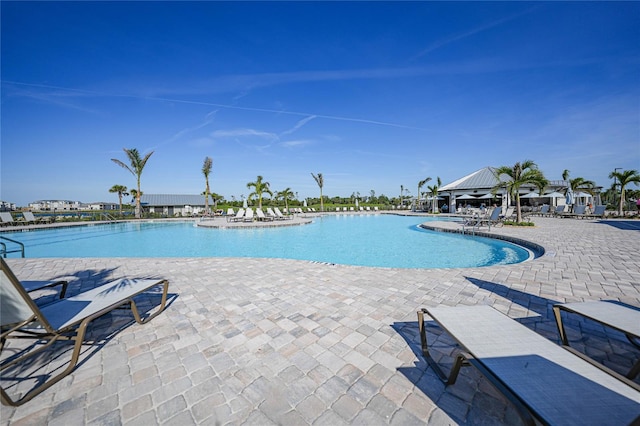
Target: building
pixel 102 205
pixel 172 204
pixel 55 205
pixel 6 206
pixel 475 189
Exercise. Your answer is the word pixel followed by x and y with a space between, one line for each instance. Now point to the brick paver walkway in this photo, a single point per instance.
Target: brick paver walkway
pixel 267 341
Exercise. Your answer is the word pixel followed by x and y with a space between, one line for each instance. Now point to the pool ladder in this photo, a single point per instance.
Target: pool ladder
pixel 4 250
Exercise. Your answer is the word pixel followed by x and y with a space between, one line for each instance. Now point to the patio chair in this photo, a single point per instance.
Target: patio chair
pixel 28 217
pixel 271 215
pixel 31 286
pixel 261 216
pixel 281 216
pixel 64 319
pixel 546 383
pixel 238 216
pixel 613 315
pixel 248 215
pixel 579 211
pixel 598 211
pixel 7 219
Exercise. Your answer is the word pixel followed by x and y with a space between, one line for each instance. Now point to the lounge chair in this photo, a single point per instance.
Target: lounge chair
pixel 578 212
pixel 248 215
pixel 544 381
pixel 7 219
pixel 613 315
pixel 271 215
pixel 506 216
pixel 544 210
pixel 64 319
pixel 281 216
pixel 31 286
pixel 230 212
pixel 496 218
pixel 261 216
pixel 559 210
pixel 28 217
pixel 598 211
pixel 238 216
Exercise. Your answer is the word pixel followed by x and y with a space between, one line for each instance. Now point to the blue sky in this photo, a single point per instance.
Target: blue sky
pixel 373 95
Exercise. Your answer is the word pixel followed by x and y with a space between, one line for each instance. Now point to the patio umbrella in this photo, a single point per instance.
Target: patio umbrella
pixel 244 203
pixel 531 195
pixel 488 196
pixel 466 197
pixel 554 194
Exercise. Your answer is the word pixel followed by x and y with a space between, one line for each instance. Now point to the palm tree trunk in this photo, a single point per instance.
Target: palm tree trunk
pixel 138 206
pixel 206 199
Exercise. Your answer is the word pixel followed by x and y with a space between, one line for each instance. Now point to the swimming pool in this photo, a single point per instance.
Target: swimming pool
pixel 363 240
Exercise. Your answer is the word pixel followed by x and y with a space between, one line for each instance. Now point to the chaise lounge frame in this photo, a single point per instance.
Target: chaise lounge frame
pixel 613 315
pixel 546 383
pixel 64 319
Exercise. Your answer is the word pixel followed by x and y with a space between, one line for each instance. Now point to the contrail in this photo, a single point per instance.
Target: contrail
pixel 225 106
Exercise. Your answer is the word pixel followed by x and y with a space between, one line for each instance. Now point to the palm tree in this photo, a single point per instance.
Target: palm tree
pixel 624 178
pixel 206 169
pixel 120 190
pixel 260 188
pixel 433 191
pixel 320 181
pixel 137 165
pixel 286 194
pixel 520 174
pixel 420 185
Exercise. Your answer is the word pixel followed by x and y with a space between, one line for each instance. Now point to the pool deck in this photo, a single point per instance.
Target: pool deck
pixel 274 341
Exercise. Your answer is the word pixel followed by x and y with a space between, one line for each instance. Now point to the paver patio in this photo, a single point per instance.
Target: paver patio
pixel 272 341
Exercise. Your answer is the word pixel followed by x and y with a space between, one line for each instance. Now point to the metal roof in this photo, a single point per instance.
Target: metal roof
pixel 480 179
pixel 172 200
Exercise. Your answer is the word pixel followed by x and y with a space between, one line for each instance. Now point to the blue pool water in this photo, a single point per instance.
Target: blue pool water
pixel 365 240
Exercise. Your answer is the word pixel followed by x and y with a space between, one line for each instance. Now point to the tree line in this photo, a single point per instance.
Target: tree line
pixel 510 179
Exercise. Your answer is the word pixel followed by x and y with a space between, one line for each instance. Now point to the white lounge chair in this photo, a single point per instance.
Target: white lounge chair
pixel 7 219
pixel 28 217
pixel 64 319
pixel 543 380
pixel 271 214
pixel 238 216
pixel 261 216
pixel 281 216
pixel 248 215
